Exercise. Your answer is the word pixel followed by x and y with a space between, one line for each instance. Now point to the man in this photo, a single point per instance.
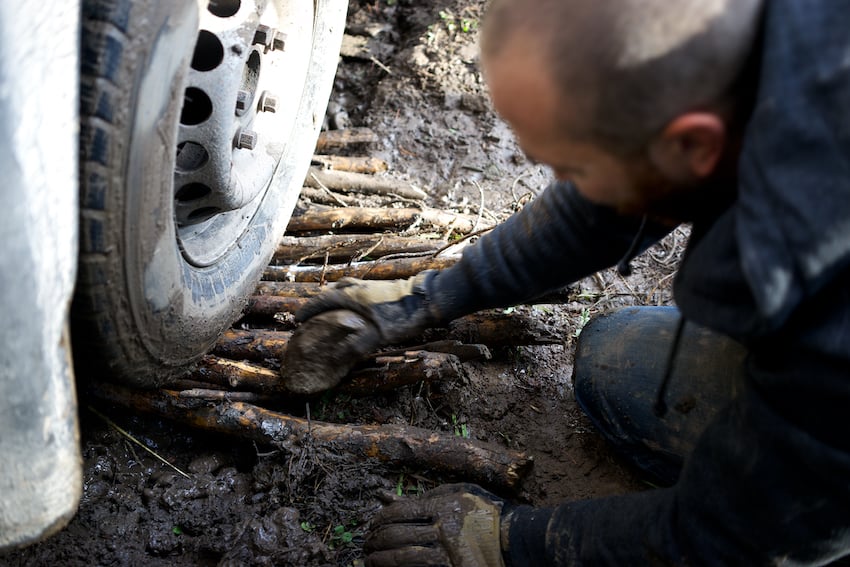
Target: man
pixel 730 114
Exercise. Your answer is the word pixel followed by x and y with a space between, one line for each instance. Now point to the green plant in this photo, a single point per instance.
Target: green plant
pixel 403 487
pixel 448 21
pixel 307 527
pixel 584 318
pixel 467 25
pixel 453 24
pixel 341 535
pixel 461 429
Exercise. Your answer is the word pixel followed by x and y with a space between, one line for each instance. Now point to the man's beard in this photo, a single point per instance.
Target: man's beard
pixel 671 204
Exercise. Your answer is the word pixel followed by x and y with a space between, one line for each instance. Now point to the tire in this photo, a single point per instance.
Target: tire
pixel 189 168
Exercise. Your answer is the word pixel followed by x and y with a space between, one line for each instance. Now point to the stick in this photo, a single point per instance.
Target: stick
pixel 289 289
pixel 361 183
pixel 353 164
pixel 321 196
pixel 380 270
pixel 237 375
pixel 312 289
pixel 497 329
pixel 395 445
pixel 381 374
pixel 345 247
pixel 412 367
pixel 270 305
pixel 251 345
pixel 332 140
pixel 368 218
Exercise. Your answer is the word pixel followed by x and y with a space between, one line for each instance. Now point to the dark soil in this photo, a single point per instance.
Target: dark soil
pixel 414 79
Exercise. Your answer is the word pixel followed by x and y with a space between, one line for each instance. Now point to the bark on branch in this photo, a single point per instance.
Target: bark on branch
pixel 350 247
pixel 350 182
pixel 396 445
pixel 353 164
pixel 375 219
pixel 335 140
pixel 380 270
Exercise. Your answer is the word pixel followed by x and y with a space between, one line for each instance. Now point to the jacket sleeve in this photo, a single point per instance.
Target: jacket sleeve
pixel 557 239
pixel 767 483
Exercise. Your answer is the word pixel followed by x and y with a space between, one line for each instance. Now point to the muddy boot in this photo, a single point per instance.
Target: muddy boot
pixel 621 361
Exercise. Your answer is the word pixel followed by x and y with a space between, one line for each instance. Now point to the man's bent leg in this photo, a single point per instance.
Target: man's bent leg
pixel 621 360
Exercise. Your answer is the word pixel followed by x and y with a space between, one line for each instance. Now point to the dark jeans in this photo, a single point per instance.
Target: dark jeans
pixel 620 363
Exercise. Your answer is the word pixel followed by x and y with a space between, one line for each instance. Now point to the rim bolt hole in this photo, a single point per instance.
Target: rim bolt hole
pixel 197 107
pixel 209 52
pixel 224 8
pixel 192 192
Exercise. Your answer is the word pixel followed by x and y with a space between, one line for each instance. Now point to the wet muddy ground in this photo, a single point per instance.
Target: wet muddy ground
pixel 411 73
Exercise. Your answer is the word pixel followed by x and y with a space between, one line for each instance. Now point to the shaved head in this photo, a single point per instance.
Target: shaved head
pixel 628 67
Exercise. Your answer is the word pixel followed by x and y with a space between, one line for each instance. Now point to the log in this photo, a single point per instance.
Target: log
pixel 380 374
pixel 379 219
pixel 352 164
pixel 259 345
pixel 323 197
pixel 350 247
pixel 255 345
pixel 349 182
pixel 380 270
pixel 394 445
pixel 498 329
pixel 464 352
pixel 237 375
pixel 270 305
pixel 312 289
pixel 491 328
pixel 393 372
pixel 289 289
pixel 334 140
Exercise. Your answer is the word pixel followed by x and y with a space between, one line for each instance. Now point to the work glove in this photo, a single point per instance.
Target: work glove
pixel 352 319
pixel 454 525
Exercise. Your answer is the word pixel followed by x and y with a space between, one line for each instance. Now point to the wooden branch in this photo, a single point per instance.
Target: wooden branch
pixel 464 352
pixel 381 374
pixel 412 367
pixel 270 305
pixel 349 182
pixel 334 140
pixel 237 375
pixel 495 328
pixel 289 289
pixel 312 289
pixel 322 197
pixel 353 164
pixel 252 345
pixel 346 247
pixel 395 445
pixel 380 270
pixel 378 219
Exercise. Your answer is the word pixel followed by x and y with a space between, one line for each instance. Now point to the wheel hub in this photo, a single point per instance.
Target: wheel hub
pixel 241 101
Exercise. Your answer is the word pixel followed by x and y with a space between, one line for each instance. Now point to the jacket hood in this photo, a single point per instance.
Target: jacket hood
pixel 793 212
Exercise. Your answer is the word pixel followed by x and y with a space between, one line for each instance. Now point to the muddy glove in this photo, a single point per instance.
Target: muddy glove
pixel 454 525
pixel 349 321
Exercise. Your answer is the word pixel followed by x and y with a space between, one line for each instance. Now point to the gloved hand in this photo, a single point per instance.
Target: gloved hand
pixel 452 525
pixel 351 320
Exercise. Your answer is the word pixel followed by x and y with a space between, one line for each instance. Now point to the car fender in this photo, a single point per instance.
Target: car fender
pixel 40 465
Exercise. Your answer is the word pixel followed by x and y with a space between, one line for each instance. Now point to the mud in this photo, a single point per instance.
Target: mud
pixel 414 77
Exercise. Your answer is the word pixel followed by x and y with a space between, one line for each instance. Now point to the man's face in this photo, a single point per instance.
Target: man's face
pixel 525 97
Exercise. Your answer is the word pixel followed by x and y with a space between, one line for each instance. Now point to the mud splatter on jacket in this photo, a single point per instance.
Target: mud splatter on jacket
pixel 769 481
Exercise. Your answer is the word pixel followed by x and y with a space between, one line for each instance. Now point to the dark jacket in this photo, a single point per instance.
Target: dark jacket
pixel 769 480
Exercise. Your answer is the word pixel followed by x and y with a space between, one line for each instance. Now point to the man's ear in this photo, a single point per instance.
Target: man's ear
pixel 690 146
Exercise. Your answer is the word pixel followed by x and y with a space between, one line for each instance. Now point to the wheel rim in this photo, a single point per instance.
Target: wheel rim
pixel 248 70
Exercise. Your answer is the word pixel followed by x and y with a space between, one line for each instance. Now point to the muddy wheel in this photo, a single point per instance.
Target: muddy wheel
pixel 197 125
